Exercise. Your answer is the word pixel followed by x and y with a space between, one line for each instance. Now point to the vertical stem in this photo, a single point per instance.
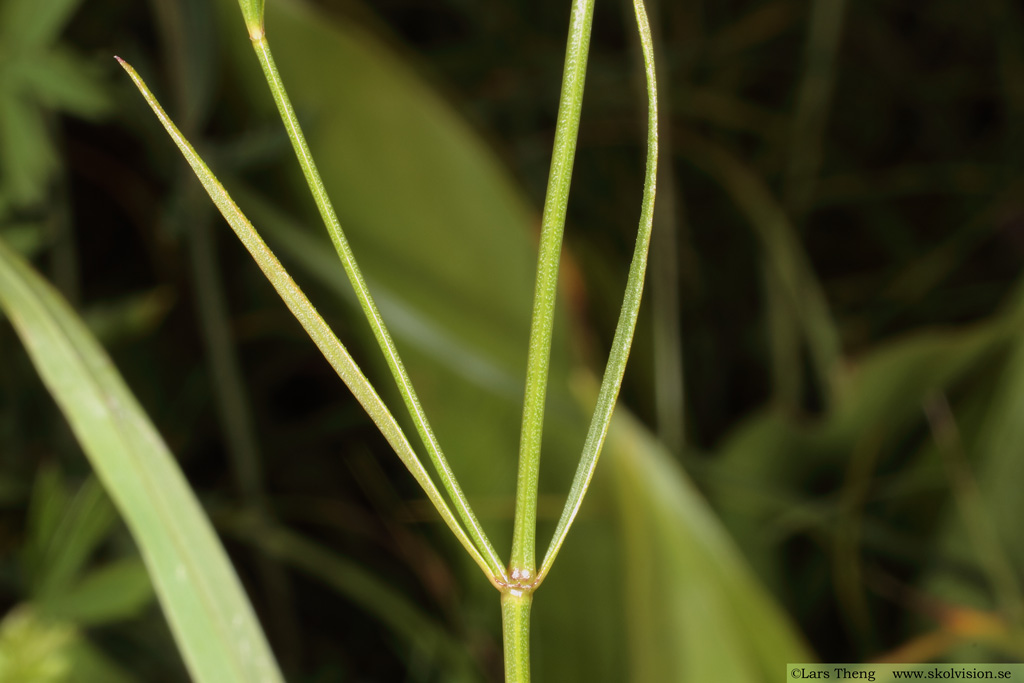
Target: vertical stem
pixel 524 536
pixel 515 626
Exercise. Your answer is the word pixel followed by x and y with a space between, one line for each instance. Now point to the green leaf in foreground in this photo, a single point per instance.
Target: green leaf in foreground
pixel 209 615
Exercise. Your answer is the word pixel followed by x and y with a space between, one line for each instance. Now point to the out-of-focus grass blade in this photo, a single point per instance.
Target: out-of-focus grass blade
pixel 63 81
pixel 119 590
pixel 981 525
pixel 1001 468
pixel 761 464
pixel 46 505
pixel 27 156
pixel 785 256
pixel 210 617
pixel 693 609
pixel 27 239
pixel 85 521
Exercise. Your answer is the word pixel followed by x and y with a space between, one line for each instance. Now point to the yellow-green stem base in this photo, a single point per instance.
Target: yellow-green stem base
pixel 515 626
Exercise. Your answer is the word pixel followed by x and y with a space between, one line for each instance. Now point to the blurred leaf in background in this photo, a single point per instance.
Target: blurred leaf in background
pixel 42 640
pixel 38 75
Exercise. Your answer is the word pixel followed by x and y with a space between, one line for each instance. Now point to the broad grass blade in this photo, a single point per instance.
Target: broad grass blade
pixel 694 610
pixel 208 612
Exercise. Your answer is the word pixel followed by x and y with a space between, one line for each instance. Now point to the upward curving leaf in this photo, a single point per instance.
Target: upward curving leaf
pixel 623 340
pixel 209 614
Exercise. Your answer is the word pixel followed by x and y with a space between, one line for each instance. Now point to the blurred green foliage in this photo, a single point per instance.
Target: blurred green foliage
pixel 846 181
pixel 38 77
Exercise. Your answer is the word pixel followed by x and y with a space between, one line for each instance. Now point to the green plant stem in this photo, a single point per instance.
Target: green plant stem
pixel 623 340
pixel 387 346
pixel 315 327
pixel 570 105
pixel 515 625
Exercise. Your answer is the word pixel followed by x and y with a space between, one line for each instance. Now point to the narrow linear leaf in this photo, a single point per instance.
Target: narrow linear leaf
pixel 623 339
pixel 210 617
pixel 411 326
pixel 314 325
pixel 370 310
